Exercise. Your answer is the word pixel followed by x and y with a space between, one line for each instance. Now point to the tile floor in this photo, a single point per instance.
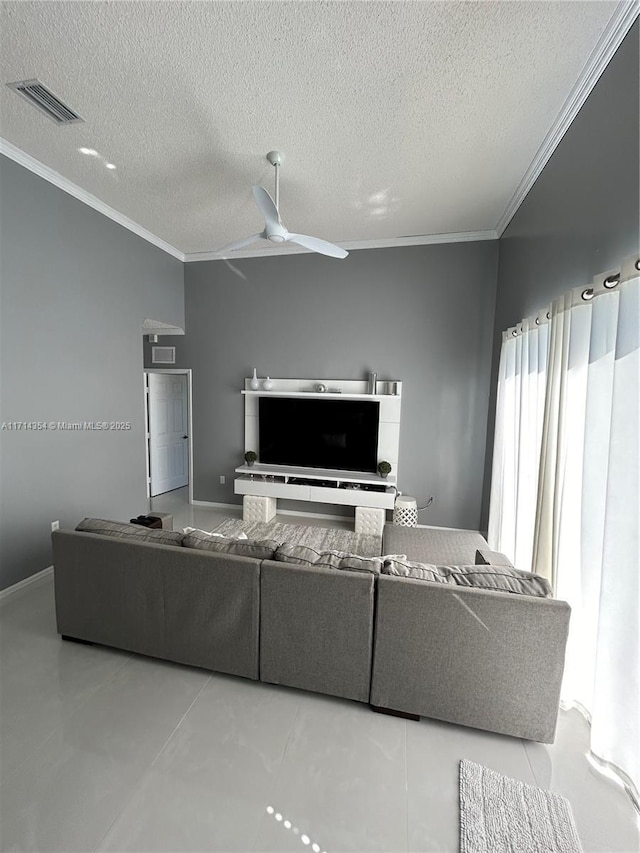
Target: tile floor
pixel 105 751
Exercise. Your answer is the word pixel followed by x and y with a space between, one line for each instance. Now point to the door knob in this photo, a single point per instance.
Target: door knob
pixel 185 436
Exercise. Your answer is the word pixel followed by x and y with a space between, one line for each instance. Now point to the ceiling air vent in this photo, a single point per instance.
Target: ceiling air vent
pixel 46 101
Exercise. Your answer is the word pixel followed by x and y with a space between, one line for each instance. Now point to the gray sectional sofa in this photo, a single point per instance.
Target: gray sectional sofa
pixel 420 641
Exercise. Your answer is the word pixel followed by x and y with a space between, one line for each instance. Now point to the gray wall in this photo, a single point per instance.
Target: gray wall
pixel 581 217
pixel 75 288
pixel 421 314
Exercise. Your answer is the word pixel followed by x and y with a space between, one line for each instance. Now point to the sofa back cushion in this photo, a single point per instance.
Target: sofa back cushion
pixel 302 555
pixel 259 549
pixel 501 579
pixel 133 532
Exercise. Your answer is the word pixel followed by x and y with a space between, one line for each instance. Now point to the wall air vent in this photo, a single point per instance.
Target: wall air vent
pixel 163 355
pixel 46 101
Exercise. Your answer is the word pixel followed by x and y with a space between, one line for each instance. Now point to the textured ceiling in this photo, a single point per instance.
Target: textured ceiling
pixel 396 119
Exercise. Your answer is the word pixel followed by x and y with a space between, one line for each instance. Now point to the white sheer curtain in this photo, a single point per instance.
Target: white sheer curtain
pixel 588 510
pixel 518 434
pixel 565 494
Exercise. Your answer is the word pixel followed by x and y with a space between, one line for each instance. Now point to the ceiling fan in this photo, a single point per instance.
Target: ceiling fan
pixel 274 230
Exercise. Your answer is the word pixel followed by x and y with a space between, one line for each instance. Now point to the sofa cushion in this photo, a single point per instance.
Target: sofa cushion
pixel 260 549
pixel 502 579
pixel 487 557
pixel 133 532
pixel 340 560
pixel 411 569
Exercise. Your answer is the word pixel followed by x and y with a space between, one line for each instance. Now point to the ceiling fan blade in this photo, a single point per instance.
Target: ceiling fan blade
pixel 317 245
pixel 267 207
pixel 240 244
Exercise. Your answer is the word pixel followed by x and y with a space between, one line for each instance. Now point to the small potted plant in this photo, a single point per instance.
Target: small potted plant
pixel 250 457
pixel 383 469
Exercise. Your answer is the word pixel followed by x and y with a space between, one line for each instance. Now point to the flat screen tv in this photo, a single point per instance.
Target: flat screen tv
pixel 341 434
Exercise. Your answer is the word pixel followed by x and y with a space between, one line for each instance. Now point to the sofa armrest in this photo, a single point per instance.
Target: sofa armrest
pixel 316 629
pixel 488 660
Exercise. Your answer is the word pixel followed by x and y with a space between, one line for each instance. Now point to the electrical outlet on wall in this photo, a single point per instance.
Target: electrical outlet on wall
pixel 223 479
pixel 55 525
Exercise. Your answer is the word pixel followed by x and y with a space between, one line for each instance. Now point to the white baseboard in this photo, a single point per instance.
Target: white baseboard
pixel 32 579
pixel 215 505
pixel 453 529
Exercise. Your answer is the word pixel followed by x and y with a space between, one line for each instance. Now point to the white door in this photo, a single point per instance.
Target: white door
pixel 168 432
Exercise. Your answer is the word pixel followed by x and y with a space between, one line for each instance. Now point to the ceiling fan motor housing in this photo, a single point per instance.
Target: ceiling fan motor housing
pixel 276 233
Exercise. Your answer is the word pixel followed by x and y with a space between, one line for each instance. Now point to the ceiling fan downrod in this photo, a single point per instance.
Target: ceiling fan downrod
pixel 275 158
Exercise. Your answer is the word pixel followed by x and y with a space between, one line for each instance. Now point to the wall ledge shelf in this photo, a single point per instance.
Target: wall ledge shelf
pixel 339 389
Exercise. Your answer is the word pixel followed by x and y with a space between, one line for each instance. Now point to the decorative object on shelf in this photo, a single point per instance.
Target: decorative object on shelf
pixel 255 382
pixel 405 511
pixel 267 384
pixel 384 469
pixel 250 457
pixel 373 381
pixel 393 388
pixel 320 388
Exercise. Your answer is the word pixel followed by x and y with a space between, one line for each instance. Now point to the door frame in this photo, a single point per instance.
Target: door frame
pixel 185 371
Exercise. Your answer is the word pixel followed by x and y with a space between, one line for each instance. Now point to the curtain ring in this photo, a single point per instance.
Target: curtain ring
pixel 587 294
pixel 514 333
pixel 548 315
pixel 611 281
pixel 537 321
pixel 637 264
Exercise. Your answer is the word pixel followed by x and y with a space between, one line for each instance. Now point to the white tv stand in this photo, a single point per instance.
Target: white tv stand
pixel 320 485
pixel 350 488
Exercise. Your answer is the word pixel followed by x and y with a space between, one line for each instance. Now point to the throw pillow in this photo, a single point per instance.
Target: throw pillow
pixel 340 560
pixel 501 579
pixel 404 568
pixel 486 557
pixel 133 532
pixel 260 549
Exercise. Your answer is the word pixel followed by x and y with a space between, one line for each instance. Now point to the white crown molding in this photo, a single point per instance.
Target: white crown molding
pixel 87 198
pixel 619 25
pixel 423 240
pixel 353 245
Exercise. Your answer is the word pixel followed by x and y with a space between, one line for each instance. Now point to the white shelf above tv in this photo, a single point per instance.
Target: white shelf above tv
pixel 320 394
pixel 349 389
